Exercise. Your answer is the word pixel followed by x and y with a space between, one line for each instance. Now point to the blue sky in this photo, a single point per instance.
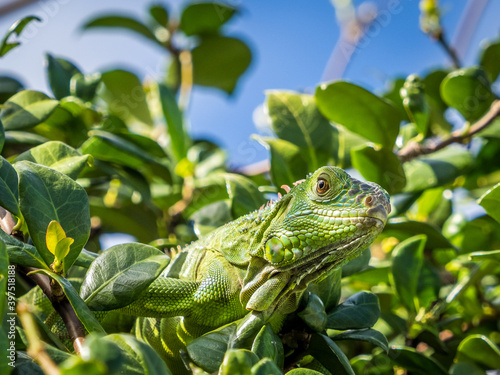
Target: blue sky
pixel 291 42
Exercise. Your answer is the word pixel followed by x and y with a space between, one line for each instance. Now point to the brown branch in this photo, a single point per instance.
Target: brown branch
pixel 449 50
pixel 52 290
pixel 413 149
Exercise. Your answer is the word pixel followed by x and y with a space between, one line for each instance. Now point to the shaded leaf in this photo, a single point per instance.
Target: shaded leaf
pixel 361 310
pixel 357 264
pixel 205 17
pixel 370 335
pixel 59 72
pixel 238 362
pixel 160 14
pixel 21 253
pixel 268 345
pixel 84 86
pixel 8 87
pixel 328 289
pixel 415 362
pixel 9 194
pixel 402 229
pixel 360 111
pixel 266 367
pixel 489 60
pixel 219 61
pixel 120 274
pixel 47 195
pixel 408 257
pixel 121 22
pixel 244 194
pixel 27 109
pixel 329 355
pixel 479 349
pixel 314 314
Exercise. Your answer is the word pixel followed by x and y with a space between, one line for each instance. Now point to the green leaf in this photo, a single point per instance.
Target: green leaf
pixel 408 257
pixel 82 311
pixel 16 30
pixel 381 166
pixel 479 349
pixel 415 103
pixel 55 233
pixel 58 156
pixel 124 94
pixel 314 314
pixel 370 335
pixel 120 274
pixel 329 355
pixel 357 264
pixel 219 62
pixel 208 350
pixel 238 362
pixel 21 253
pixel 244 194
pixel 27 109
pixel 47 195
pixel 59 72
pixel 140 357
pixel 22 138
pixel 479 256
pixel 266 367
pixel 8 87
pixel 402 229
pixel 360 111
pixel 121 22
pixel 416 362
pixel 287 162
pixel 268 345
pixel 328 289
pixel 9 195
pixel 428 286
pixel 205 18
pixel 296 119
pixel 2 136
pixel 160 14
pixel 489 60
pixel 85 258
pixel 491 202
pixel 175 122
pixel 359 311
pixel 468 90
pixel 465 368
pixel 437 169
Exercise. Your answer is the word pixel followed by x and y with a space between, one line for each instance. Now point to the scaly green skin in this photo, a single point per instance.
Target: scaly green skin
pixel 261 262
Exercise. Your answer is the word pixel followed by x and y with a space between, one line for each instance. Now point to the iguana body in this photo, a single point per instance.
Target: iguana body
pixel 261 262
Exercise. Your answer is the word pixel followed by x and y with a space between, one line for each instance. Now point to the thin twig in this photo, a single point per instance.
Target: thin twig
pixel 449 50
pixel 412 149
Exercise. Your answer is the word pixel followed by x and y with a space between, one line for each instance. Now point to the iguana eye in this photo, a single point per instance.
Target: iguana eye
pixel 322 186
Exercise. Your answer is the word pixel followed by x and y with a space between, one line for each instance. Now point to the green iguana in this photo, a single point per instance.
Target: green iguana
pixel 261 262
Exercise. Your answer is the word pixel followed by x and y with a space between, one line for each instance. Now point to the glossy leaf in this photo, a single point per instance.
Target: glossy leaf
pixel 205 17
pixel 296 119
pixel 238 362
pixel 479 349
pixel 55 233
pixel 22 253
pixel 219 62
pixel 408 257
pixel 8 87
pixel 82 311
pixel 381 166
pixel 370 335
pixel 119 275
pixel 357 264
pixel 47 195
pixel 268 345
pixel 244 194
pixel 175 122
pixel 59 72
pixel 489 60
pixel 139 356
pixel 402 229
pixel 468 90
pixel 124 94
pixel 329 355
pixel 328 289
pixel 9 194
pixel 314 314
pixel 491 202
pixel 359 311
pixel 416 362
pixel 16 29
pixel 27 109
pixel 120 22
pixel 58 156
pixel 266 367
pixel 360 111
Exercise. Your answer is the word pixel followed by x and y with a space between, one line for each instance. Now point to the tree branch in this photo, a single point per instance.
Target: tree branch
pixel 413 150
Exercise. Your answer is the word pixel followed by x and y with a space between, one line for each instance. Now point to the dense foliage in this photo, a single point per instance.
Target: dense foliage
pixel 105 153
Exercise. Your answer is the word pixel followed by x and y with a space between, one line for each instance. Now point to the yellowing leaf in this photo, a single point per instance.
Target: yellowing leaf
pixel 55 233
pixel 62 248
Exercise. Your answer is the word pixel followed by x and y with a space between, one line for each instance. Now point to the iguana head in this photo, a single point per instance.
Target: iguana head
pixel 319 224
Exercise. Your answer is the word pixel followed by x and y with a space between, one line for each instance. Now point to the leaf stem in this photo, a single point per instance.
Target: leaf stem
pixel 450 51
pixel 413 150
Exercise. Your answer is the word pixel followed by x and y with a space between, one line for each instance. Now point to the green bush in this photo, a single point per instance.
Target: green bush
pixel 106 153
